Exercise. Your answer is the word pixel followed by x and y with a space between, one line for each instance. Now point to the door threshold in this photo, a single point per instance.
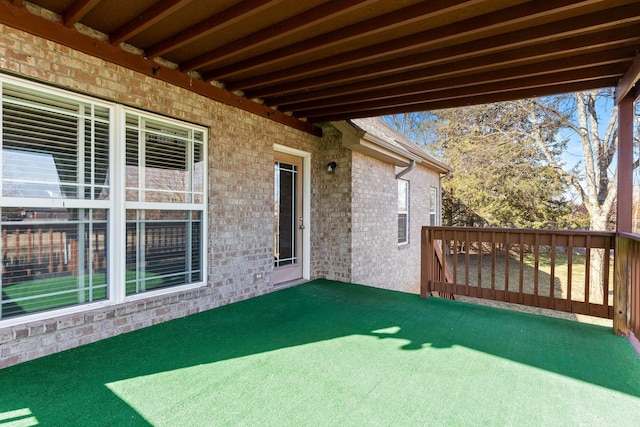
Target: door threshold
pixel 289 283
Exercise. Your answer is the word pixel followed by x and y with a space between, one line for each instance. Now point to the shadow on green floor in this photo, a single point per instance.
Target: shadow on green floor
pixel 274 357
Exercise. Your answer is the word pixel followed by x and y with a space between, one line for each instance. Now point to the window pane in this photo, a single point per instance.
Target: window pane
pixel 402 228
pixel 52 258
pixel 164 162
pixel 403 200
pixel 163 249
pixel 53 147
pixel 433 206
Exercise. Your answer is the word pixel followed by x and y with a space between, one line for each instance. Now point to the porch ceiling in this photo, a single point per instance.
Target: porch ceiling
pixel 315 61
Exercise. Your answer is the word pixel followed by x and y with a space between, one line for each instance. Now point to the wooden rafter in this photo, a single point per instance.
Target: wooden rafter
pixel 457 102
pixel 482 88
pixel 582 64
pixel 78 10
pixel 544 33
pixel 494 21
pixel 23 20
pixel 464 70
pixel 449 59
pixel 150 17
pixel 331 60
pixel 227 17
pixel 344 35
pixel 308 18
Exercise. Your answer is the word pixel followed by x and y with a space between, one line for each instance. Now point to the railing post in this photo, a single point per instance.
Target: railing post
pixel 620 286
pixel 426 262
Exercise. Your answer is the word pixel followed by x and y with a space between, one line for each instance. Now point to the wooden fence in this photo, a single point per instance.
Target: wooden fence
pixel 627 297
pixel 568 271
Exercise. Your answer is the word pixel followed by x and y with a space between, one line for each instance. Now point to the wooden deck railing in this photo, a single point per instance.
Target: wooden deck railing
pixel 627 297
pixel 568 271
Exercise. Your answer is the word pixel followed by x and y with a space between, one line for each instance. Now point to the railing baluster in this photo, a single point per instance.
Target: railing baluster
pixel 479 258
pixel 507 251
pixel 587 271
pixel 40 249
pixel 29 251
pixel 493 265
pixel 521 272
pixel 455 257
pixel 5 246
pixel 552 273
pixel 467 248
pixel 543 248
pixel 536 270
pixel 50 263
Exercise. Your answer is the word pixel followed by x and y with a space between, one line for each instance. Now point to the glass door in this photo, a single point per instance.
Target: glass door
pixel 288 218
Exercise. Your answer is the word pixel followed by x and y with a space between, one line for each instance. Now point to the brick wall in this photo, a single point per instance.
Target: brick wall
pixel 240 157
pixel 331 208
pixel 377 259
pixel 353 211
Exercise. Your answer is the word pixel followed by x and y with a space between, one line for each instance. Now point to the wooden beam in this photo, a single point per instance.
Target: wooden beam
pixel 628 81
pixel 610 72
pixel 302 21
pixel 621 280
pixel 581 65
pixel 625 166
pixel 419 66
pixel 77 11
pixel 407 16
pixel 460 73
pixel 521 39
pixel 227 17
pixel 148 18
pixel 483 25
pixel 455 102
pixel 23 20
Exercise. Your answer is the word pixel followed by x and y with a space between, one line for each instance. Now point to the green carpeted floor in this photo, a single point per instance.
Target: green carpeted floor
pixel 334 354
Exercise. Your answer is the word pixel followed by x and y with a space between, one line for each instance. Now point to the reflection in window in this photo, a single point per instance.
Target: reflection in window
pixel 164 164
pixel 52 258
pixel 53 147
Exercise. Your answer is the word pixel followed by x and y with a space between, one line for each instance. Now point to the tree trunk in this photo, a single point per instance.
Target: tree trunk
pixel 597 260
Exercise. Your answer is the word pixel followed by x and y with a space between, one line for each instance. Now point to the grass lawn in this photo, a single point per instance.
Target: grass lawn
pixel 560 278
pixel 333 354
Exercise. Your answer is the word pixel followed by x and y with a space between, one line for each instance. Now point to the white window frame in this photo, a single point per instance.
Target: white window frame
pixel 115 205
pixel 404 211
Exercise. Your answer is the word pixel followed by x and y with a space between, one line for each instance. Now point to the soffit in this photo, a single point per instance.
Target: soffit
pixel 302 63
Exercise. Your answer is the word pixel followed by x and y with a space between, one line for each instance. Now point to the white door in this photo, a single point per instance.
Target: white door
pixel 288 218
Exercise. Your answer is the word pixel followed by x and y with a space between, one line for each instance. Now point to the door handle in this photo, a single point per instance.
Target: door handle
pixel 301 226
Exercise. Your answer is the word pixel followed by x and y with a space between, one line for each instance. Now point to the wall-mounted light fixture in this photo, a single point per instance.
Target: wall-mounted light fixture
pixel 331 167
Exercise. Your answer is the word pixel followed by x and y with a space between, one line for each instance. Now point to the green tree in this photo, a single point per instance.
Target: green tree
pixel 500 177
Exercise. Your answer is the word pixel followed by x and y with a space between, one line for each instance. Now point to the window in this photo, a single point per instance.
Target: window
pixel 403 211
pixel 164 204
pixel 433 206
pixel 58 156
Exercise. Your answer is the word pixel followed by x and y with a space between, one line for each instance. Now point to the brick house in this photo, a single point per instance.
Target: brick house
pixel 165 203
pixel 208 152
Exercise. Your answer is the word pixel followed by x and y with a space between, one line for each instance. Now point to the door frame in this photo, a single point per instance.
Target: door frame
pixel 306 204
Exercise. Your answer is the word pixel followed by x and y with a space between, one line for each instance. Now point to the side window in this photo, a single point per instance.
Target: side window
pixel 403 211
pixel 433 206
